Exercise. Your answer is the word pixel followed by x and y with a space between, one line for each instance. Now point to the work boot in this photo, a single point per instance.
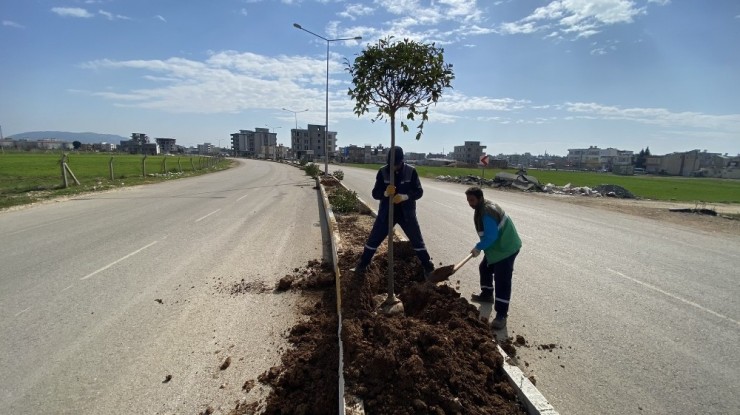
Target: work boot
pixel 428 269
pixel 499 322
pixel 482 298
pixel 359 270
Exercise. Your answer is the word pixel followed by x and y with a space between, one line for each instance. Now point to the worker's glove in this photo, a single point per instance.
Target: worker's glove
pixel 475 252
pixel 390 190
pixel 400 198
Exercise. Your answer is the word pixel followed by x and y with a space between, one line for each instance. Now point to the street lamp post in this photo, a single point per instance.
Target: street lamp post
pixel 295 114
pixel 326 124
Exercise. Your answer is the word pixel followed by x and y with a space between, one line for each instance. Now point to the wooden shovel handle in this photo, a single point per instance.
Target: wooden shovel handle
pixel 461 263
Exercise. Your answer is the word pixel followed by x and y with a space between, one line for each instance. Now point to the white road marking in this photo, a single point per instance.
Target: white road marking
pixel 691 303
pixel 67 288
pixel 22 311
pixel 445 205
pixel 27 229
pixel 117 261
pixel 242 197
pixel 198 220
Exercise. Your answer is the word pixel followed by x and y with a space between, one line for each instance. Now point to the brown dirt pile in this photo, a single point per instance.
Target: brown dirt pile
pixel 438 357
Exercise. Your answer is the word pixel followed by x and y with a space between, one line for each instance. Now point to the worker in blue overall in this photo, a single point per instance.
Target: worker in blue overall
pixel 405 193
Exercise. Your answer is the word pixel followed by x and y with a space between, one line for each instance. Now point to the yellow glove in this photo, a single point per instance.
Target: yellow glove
pixel 400 198
pixel 390 190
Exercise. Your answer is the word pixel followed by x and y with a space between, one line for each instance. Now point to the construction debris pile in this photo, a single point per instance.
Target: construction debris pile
pixel 520 181
pixel 530 183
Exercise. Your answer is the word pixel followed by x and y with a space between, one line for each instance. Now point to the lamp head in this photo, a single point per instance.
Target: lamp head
pixel 297 26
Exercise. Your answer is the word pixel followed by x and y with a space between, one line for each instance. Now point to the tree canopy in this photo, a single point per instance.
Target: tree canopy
pixel 391 75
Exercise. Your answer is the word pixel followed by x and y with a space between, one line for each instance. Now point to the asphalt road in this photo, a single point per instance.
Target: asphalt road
pixel 82 330
pixel 645 315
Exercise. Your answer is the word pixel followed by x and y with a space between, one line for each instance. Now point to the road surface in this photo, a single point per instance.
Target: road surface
pixel 103 296
pixel 645 315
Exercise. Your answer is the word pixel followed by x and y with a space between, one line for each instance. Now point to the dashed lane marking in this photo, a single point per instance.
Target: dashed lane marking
pixel 198 220
pixel 22 311
pixel 117 261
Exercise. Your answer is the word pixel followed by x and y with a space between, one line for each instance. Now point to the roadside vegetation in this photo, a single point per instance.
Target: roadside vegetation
pixel 27 177
pixel 666 188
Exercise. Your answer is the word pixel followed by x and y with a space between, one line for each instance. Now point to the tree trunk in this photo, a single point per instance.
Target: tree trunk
pixel 391 208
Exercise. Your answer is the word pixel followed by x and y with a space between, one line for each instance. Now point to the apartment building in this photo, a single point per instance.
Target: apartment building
pixel 260 143
pixel 166 145
pixel 311 143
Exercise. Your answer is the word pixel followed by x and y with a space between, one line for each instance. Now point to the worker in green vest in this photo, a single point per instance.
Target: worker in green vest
pixel 500 244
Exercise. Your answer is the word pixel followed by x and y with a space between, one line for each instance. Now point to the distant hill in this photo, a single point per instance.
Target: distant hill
pixel 84 138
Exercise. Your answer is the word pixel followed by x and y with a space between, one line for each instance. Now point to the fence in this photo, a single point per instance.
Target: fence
pixel 22 171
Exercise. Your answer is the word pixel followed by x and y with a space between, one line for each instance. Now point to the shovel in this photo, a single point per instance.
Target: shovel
pixel 441 274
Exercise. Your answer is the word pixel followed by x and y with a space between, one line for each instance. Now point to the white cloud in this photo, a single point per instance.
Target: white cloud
pixel 440 21
pixel 598 51
pixel 581 18
pixel 10 23
pixel 71 12
pixel 111 16
pixel 244 12
pixel 435 11
pixel 455 101
pixel 655 116
pixel 160 18
pixel 352 11
pixel 229 82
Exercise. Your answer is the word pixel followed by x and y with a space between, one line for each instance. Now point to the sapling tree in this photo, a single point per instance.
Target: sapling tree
pixel 390 76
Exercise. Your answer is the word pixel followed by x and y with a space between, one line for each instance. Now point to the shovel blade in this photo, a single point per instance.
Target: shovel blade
pixel 441 274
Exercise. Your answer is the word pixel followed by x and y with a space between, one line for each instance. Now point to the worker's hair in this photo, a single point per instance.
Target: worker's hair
pixel 475 191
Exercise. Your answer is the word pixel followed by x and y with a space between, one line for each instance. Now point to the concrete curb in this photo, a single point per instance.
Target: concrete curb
pixel 533 400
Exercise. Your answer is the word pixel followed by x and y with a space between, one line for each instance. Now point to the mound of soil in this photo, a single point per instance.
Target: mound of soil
pixel 437 357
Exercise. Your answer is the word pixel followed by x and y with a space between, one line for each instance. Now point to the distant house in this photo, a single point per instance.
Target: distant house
pixel 468 153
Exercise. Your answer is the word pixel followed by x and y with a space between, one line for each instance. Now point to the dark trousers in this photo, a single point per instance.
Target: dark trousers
pixel 379 232
pixel 499 273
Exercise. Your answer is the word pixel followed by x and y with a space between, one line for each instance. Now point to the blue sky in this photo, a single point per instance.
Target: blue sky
pixel 531 76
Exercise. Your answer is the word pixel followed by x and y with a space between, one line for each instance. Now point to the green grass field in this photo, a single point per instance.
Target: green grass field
pixel 26 177
pixel 682 189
